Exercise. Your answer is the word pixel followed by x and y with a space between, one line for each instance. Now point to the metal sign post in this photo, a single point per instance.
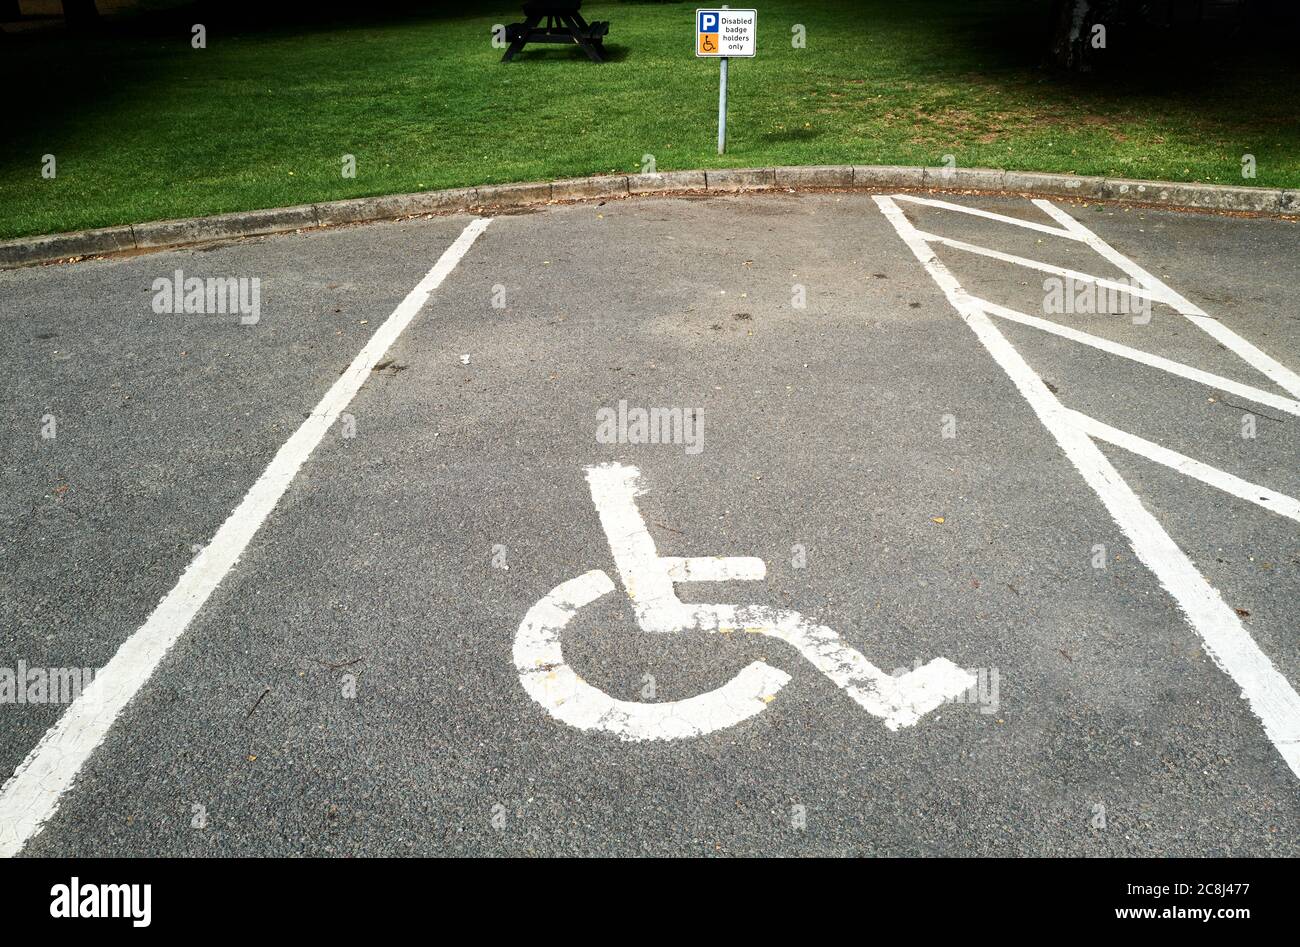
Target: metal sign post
pixel 722 108
pixel 721 34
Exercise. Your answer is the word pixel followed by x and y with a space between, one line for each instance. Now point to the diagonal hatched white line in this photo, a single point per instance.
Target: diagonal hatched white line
pixel 1258 359
pixel 1156 295
pixel 1269 694
pixel 1270 500
pixel 1258 395
pixel 990 215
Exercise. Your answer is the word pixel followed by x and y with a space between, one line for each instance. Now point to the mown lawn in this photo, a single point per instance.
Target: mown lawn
pixel 143 127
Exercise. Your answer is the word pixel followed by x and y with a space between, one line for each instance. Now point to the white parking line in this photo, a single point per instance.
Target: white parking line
pixel 1271 697
pixel 32 795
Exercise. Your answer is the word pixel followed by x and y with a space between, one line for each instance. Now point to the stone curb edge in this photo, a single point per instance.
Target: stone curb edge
pixel 198 230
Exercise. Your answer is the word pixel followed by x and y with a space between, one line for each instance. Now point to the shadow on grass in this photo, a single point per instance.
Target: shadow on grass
pixel 63 76
pixel 556 52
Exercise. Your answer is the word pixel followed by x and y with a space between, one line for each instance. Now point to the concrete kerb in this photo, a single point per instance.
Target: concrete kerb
pixel 198 230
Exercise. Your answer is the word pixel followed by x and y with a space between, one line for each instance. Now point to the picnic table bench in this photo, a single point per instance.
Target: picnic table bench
pixel 564 24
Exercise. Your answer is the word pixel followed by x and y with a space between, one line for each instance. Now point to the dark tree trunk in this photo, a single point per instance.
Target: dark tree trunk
pixel 80 14
pixel 1071 25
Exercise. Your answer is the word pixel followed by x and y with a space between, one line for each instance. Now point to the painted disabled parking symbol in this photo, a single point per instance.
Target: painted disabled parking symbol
pixel 649 580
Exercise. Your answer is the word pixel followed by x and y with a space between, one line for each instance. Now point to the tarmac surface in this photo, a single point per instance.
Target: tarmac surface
pixel 349 687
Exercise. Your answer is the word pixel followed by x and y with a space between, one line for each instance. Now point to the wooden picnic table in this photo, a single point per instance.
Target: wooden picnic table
pixel 564 24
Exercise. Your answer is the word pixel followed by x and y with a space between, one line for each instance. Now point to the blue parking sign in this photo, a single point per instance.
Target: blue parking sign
pixel 723 33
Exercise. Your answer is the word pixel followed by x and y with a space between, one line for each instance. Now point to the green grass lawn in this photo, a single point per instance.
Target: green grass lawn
pixel 145 127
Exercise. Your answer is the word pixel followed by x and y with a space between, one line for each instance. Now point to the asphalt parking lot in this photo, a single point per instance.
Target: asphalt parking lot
pixel 347 682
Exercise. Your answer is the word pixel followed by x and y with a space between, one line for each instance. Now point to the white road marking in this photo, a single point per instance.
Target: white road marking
pixel 1262 362
pixel 1288 405
pixel 32 795
pixel 1156 295
pixel 1270 500
pixel 715 568
pixel 1271 697
pixel 989 215
pixel 567 697
pixel 649 580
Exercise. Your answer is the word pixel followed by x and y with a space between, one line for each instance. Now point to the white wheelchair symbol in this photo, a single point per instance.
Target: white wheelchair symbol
pixel 649 581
